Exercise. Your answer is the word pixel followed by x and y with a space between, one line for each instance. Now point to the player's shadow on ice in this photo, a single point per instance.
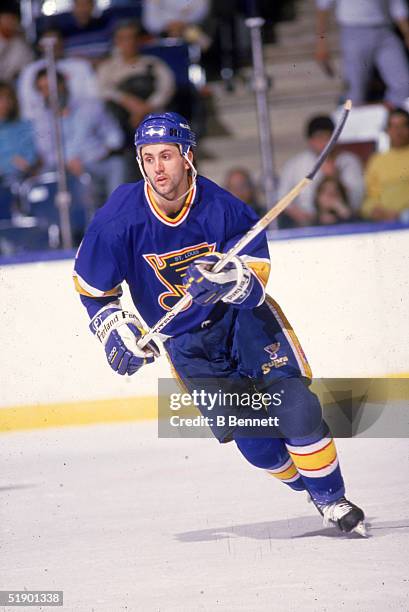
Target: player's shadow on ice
pixel 299 527
pixel 16 487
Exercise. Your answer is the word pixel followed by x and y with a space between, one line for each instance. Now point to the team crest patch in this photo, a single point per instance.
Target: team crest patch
pixel 275 361
pixel 272 349
pixel 170 269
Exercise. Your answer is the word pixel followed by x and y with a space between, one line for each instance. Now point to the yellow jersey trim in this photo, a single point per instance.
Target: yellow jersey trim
pixel 172 221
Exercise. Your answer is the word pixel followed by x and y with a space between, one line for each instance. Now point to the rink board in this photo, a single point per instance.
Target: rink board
pixel 346 296
pixel 122 520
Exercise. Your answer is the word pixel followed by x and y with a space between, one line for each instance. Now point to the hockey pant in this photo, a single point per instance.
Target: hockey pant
pixel 252 352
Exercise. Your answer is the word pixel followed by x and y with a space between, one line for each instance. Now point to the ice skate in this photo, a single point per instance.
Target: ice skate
pixel 345 515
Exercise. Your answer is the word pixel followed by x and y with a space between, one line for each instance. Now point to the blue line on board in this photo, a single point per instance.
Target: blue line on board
pixel 273 235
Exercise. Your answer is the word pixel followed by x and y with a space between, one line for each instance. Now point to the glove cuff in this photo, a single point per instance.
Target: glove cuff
pixel 108 319
pixel 243 286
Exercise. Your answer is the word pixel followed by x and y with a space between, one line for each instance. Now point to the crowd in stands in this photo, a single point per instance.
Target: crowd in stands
pixel 135 57
pixel 344 191
pixel 342 166
pixel 368 39
pixel 15 52
pixel 374 35
pixel 387 174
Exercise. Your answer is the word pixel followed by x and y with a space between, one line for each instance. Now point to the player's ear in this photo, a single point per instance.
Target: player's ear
pixel 190 156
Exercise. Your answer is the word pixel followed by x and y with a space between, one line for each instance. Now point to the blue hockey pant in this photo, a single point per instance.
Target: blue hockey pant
pixel 249 353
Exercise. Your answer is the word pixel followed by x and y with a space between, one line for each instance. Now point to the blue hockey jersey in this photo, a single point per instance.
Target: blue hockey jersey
pixel 130 239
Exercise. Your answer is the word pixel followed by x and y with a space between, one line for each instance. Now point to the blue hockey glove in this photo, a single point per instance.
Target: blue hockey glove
pixel 233 284
pixel 119 331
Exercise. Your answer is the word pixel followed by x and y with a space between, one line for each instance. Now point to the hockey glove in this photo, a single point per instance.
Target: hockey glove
pixel 119 331
pixel 233 285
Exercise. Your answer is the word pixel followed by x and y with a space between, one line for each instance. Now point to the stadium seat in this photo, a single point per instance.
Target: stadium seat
pixel 16 239
pixel 173 52
pixel 121 11
pixel 365 124
pixel 6 200
pixel 188 76
pixel 363 149
pixel 364 131
pixel 37 198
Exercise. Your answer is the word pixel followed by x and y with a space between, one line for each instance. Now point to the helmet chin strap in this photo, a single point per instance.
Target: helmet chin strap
pixel 147 179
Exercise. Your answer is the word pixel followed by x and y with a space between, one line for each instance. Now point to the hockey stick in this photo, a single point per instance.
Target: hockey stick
pixel 256 229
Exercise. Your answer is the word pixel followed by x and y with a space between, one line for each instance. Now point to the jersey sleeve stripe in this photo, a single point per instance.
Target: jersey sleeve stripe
pixel 261 269
pixel 85 289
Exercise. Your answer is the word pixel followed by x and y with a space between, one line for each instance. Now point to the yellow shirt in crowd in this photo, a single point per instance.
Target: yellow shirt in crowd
pixel 387 181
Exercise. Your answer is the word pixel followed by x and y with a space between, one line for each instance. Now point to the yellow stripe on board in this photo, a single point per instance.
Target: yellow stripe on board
pixel 375 390
pixel 138 408
pixel 78 413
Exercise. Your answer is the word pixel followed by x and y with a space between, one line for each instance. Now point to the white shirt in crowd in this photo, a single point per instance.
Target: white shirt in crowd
pixel 350 174
pixel 157 14
pixel 14 54
pixel 80 77
pixel 112 71
pixel 365 12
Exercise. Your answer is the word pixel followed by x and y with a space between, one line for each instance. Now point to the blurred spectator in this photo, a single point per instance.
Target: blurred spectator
pixel 84 33
pixel 331 203
pixel 344 166
pixel 387 174
pixel 91 137
pixel 133 84
pixel 79 75
pixel 177 19
pixel 239 182
pixel 231 46
pixel 367 40
pixel 231 41
pixel 17 146
pixel 14 51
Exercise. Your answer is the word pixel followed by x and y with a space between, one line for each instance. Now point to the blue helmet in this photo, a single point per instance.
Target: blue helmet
pixel 165 127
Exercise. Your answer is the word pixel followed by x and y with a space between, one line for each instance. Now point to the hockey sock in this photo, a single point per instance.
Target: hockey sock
pixel 271 454
pixel 308 439
pixel 317 462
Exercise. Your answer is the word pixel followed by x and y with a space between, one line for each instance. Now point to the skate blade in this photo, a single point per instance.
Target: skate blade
pixel 361 530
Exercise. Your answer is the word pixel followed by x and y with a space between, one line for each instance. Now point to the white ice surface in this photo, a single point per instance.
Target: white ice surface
pixel 120 520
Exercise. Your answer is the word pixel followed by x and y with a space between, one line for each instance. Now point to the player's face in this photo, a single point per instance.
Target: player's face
pixel 166 169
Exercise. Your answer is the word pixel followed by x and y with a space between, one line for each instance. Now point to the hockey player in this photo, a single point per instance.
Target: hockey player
pixel 162 236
